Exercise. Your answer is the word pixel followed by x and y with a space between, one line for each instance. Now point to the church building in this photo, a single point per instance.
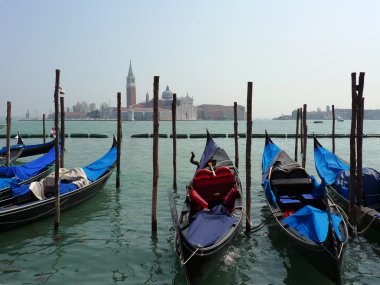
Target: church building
pixel 144 111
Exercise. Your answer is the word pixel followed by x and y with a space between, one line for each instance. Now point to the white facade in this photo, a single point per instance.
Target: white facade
pixel 186 110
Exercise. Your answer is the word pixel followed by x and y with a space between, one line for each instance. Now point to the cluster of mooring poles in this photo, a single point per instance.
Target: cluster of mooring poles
pixel 301 126
pixel 174 137
pixel 59 133
pixel 356 144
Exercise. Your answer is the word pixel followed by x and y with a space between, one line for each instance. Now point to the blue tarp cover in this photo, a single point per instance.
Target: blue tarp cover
pixel 271 151
pixel 328 165
pixel 18 190
pixel 208 152
pixel 371 184
pixel 99 167
pixel 93 172
pixel 26 171
pixel 209 227
pixel 313 223
pixel 3 150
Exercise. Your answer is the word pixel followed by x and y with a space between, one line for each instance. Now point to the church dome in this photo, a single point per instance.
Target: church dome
pixel 167 94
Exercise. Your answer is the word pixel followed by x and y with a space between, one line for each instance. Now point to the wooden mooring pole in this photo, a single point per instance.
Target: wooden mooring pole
pixel 304 117
pixel 296 142
pixel 8 142
pixel 62 136
pixel 57 152
pixel 333 128
pixel 174 132
pixel 352 148
pixel 43 129
pixel 248 157
pixel 301 130
pixel 236 136
pixel 119 126
pixel 359 148
pixel 155 153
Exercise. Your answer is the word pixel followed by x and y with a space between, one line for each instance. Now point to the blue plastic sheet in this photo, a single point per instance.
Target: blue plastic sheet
pixel 371 185
pixel 30 169
pixel 209 151
pixel 328 165
pixel 271 152
pixel 313 223
pixel 208 227
pixel 99 167
pixel 19 190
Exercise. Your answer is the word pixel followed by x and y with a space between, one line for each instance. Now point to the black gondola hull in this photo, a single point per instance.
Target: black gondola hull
pixel 5 193
pixel 18 215
pixel 315 253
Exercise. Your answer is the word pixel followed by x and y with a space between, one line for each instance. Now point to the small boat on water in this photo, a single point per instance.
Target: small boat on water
pixel 34 149
pixel 37 200
pixel 336 172
pixel 318 122
pixel 14 153
pixel 23 150
pixel 212 212
pixel 303 212
pixel 26 173
pixel 339 119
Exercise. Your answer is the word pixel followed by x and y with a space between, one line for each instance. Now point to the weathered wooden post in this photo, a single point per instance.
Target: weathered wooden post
pixel 57 152
pixel 8 142
pixel 43 129
pixel 301 132
pixel 62 105
pixel 174 132
pixel 333 128
pixel 155 153
pixel 353 185
pixel 119 129
pixel 248 157
pixel 359 148
pixel 304 115
pixel 236 136
pixel 296 142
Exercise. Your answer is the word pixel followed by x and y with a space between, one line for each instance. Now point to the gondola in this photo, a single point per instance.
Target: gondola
pixel 336 172
pixel 25 173
pixel 212 211
pixel 303 212
pixel 14 153
pixel 34 149
pixel 37 200
pixel 28 150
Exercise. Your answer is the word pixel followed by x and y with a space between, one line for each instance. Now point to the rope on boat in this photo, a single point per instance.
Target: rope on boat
pixel 353 228
pixel 191 255
pixel 262 224
pixel 370 223
pixel 345 217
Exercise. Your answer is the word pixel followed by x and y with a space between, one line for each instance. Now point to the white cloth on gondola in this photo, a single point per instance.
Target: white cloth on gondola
pixel 75 175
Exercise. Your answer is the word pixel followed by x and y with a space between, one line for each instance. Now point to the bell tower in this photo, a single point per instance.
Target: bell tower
pixel 131 87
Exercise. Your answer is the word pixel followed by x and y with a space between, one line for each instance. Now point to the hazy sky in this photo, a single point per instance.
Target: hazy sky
pixel 294 51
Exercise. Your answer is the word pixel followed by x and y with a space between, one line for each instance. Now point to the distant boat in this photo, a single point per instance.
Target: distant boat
pixel 2 126
pixel 339 119
pixel 318 122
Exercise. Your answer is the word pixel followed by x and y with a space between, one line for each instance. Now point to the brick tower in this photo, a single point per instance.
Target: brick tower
pixel 131 87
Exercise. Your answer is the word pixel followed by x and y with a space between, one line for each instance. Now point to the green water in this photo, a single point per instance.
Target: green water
pixel 108 239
